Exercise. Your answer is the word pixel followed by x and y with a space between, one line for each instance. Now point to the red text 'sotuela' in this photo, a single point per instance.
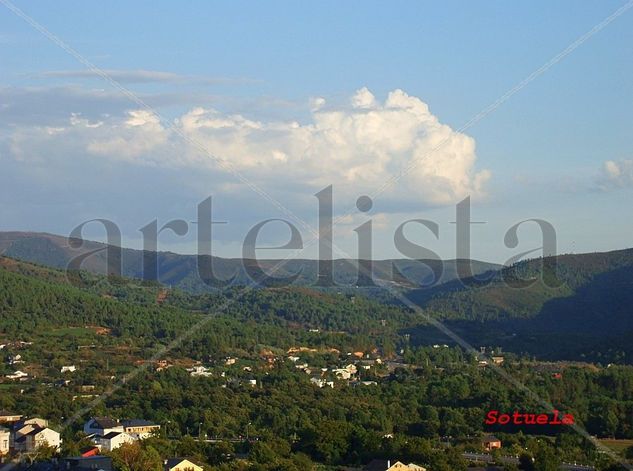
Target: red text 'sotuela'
pixel 493 417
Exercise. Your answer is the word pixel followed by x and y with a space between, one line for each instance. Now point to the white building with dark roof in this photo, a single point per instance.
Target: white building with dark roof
pixel 102 426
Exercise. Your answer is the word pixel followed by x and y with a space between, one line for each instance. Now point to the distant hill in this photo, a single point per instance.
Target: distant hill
pixel 181 270
pixel 564 305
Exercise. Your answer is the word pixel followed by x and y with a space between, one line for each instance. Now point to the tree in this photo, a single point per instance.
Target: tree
pixel 133 457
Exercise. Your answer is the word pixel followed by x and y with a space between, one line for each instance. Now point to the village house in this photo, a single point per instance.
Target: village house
pixel 342 373
pixel 5 438
pixel 320 382
pixel 40 437
pixel 491 443
pixel 181 464
pixel 102 426
pixel 199 371
pixel 18 375
pixel 23 427
pixel 8 416
pixel 386 465
pixel 69 369
pixel 113 440
pixel 30 434
pixel 140 428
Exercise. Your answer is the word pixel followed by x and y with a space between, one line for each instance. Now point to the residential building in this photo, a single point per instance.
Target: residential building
pixel 22 428
pixel 18 375
pixel 42 437
pixel 491 443
pixel 181 464
pixel 5 439
pixel 69 369
pixel 8 416
pixel 342 373
pixel 141 428
pixel 387 465
pixel 320 382
pixel 113 440
pixel 199 371
pixel 102 426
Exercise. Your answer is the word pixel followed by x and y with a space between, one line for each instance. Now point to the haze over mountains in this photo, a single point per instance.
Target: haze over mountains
pixel 181 270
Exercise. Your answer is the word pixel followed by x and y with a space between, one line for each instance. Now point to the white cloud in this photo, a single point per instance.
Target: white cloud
pixel 617 174
pixel 355 148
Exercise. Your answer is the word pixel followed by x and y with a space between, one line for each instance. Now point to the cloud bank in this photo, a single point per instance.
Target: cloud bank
pixel 355 147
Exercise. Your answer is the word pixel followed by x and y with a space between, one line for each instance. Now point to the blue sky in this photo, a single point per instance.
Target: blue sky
pixel 297 96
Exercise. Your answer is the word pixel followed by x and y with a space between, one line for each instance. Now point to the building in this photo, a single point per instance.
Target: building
pixel 69 369
pixel 387 465
pixel 102 426
pixel 181 464
pixel 342 373
pixel 113 440
pixel 491 443
pixel 320 382
pixel 199 371
pixel 42 437
pixel 141 428
pixel 5 439
pixel 21 428
pixel 8 416
pixel 30 437
pixel 18 375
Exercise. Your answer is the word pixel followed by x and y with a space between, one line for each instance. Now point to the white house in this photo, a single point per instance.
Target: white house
pixel 18 375
pixel 42 437
pixel 5 437
pixel 102 426
pixel 29 437
pixel 320 382
pixel 113 440
pixel 69 369
pixel 199 371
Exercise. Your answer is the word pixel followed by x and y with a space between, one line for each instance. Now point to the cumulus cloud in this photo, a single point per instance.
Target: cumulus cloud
pixel 355 147
pixel 617 174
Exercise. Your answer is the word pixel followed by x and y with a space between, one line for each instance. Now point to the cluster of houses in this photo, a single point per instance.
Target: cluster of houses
pixel 19 434
pixel 25 435
pixel 16 360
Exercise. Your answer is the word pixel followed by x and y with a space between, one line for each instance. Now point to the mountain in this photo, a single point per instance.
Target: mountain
pixel 181 270
pixel 569 305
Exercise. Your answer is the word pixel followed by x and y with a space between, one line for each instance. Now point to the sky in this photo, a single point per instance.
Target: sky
pixel 136 112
